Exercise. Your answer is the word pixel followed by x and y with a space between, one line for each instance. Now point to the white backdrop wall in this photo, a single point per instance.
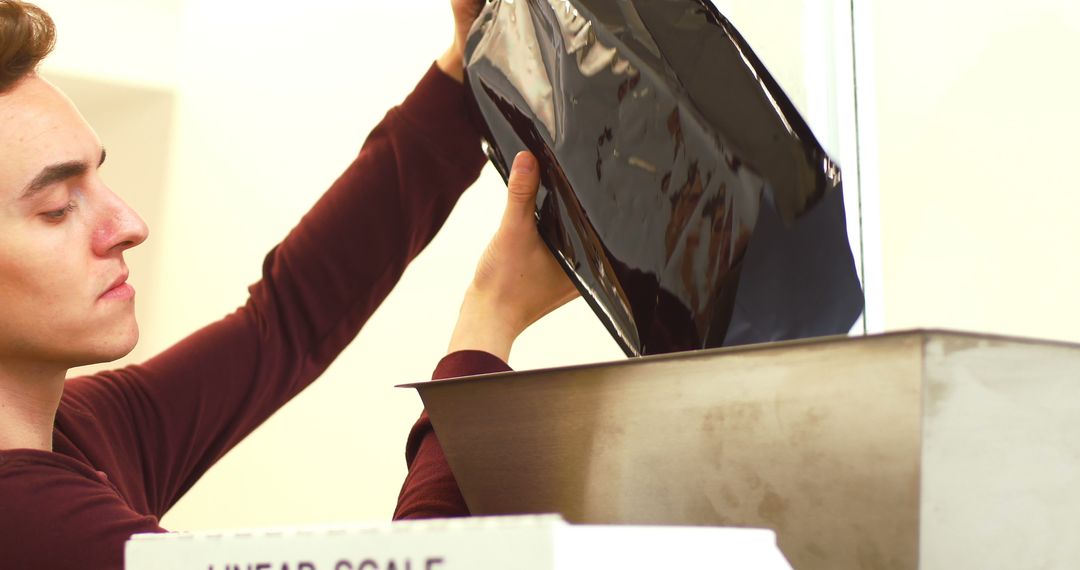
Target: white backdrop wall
pixel 263 103
pixel 977 134
pixel 275 100
pixel 270 101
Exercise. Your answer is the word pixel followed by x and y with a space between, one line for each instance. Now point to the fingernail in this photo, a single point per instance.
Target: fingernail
pixel 524 162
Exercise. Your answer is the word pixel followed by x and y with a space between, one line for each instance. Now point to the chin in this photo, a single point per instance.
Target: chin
pixel 123 346
pixel 119 352
pixel 109 347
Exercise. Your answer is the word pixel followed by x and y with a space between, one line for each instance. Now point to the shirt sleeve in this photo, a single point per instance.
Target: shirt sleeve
pixel 430 490
pixel 59 514
pixel 170 419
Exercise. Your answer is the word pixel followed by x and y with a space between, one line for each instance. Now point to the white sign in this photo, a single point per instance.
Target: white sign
pixel 543 542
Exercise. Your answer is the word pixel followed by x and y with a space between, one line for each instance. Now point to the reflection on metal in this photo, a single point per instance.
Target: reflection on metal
pixel 925 450
pixel 681 190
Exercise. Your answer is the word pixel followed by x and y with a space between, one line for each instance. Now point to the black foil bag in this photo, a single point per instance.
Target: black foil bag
pixel 680 189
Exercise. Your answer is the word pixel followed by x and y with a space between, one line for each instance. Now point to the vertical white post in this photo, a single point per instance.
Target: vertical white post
pixel 865 106
pixel 839 110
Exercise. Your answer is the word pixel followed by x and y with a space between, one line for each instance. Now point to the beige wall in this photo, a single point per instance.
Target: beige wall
pixel 264 125
pixel 978 122
pixel 264 103
pixel 265 107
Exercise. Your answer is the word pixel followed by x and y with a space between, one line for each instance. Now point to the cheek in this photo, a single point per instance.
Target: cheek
pixel 40 271
pixel 45 309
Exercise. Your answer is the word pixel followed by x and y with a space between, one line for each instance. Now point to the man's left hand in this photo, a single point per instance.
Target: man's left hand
pixel 465 13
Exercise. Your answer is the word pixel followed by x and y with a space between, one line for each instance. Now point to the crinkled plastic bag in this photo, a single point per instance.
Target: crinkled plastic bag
pixel 680 189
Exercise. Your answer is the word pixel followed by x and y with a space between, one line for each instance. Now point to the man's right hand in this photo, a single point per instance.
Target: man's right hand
pixel 517 281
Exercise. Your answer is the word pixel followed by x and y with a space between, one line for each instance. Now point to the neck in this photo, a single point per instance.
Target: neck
pixel 29 397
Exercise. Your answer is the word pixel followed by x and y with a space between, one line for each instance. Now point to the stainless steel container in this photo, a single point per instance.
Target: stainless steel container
pixel 928 450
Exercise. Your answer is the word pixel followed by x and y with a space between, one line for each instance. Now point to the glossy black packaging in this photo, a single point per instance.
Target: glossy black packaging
pixel 680 189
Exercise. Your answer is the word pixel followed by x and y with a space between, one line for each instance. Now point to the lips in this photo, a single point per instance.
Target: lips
pixel 119 288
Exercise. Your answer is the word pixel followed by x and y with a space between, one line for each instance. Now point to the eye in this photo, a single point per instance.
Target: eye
pixel 59 215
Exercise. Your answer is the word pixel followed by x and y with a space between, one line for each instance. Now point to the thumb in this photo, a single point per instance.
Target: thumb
pixel 522 186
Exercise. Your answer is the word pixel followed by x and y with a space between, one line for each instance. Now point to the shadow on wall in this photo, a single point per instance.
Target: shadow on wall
pixel 135 124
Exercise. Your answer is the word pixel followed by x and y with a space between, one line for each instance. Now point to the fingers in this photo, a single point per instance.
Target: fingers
pixel 465 13
pixel 522 186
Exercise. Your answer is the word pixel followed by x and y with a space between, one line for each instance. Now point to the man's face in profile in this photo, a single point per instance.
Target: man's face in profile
pixel 62 237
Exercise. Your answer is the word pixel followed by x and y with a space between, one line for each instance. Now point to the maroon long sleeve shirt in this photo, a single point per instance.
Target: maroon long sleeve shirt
pixel 430 490
pixel 129 443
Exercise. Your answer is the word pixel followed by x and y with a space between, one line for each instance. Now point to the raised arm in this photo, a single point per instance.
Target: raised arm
pixel 517 282
pixel 193 402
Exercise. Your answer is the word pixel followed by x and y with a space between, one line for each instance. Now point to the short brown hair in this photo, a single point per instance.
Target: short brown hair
pixel 27 35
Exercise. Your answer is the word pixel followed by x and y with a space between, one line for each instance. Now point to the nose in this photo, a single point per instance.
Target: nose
pixel 119 227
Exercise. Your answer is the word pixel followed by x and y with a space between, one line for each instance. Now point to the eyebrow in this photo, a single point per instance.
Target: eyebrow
pixel 57 173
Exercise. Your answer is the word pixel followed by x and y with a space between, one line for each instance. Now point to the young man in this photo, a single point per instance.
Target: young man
pixel 87 462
